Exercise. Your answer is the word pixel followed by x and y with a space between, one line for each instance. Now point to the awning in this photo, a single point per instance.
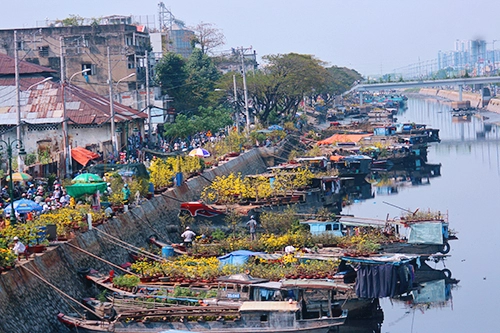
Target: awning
pixel 82 155
pixel 343 138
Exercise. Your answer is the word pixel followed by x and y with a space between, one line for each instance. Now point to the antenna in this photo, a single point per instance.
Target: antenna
pixel 406 210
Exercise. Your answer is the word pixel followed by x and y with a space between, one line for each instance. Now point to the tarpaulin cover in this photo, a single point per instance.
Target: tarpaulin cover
pixel 432 291
pixel 343 138
pixel 82 155
pixel 80 189
pixel 387 280
pixel 426 233
pixel 240 257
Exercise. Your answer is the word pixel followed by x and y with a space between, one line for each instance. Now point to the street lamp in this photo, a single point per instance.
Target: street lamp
pixel 19 126
pixel 8 145
pixel 67 152
pixel 43 81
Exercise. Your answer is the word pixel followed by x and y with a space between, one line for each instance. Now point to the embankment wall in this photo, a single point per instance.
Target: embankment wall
pixel 28 304
pixel 475 99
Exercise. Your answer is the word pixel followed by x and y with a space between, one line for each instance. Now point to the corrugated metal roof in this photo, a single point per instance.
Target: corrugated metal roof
pixel 44 101
pixel 7 66
pixel 269 306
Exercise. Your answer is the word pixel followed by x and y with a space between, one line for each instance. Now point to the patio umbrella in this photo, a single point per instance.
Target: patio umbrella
pixel 87 178
pixel 19 177
pixel 80 189
pixel 275 128
pixel 23 206
pixel 200 152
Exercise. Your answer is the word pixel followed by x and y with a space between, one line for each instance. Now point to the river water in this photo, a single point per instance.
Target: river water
pixel 469 190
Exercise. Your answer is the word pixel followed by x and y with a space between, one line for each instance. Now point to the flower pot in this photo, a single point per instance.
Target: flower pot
pixel 37 248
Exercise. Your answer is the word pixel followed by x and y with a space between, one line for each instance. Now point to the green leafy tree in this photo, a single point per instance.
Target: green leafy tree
pixel 171 75
pixel 202 79
pixel 181 128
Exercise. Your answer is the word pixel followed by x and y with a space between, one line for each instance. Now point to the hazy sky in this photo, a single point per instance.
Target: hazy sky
pixel 367 35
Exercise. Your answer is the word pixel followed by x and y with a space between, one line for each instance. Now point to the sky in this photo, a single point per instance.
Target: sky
pixel 370 36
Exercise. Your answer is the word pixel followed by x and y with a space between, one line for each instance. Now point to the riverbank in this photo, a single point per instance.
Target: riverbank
pixel 28 304
pixel 490 114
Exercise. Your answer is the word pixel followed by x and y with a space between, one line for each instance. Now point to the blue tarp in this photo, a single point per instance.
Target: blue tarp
pixel 236 258
pixel 240 257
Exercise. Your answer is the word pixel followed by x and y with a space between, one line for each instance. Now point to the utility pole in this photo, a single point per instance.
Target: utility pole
pixel 237 112
pixel 148 100
pixel 112 108
pixel 66 149
pixel 245 91
pixel 18 101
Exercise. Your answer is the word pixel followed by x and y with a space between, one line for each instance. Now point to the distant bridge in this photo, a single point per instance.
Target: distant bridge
pixel 460 82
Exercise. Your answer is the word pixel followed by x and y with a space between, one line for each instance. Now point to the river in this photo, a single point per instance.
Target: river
pixel 469 190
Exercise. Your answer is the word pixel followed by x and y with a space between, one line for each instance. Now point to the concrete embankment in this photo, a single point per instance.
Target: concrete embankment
pixel 28 304
pixel 452 95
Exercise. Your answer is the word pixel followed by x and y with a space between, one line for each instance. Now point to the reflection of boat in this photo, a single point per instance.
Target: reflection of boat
pixel 271 316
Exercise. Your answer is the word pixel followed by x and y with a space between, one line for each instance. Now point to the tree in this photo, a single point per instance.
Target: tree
pixel 286 80
pixel 338 81
pixel 182 128
pixel 171 75
pixel 208 37
pixel 212 119
pixel 201 80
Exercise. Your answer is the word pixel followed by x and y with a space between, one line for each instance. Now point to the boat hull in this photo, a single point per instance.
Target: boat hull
pixel 305 326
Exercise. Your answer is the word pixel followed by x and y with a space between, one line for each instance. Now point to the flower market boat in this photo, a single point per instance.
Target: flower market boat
pixel 271 316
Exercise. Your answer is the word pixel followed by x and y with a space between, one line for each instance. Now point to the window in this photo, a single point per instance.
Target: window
pixel 43 51
pixel 130 62
pixel 88 66
pixel 328 227
pixel 263 317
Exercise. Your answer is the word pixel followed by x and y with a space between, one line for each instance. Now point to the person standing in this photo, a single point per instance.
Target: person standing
pixel 126 194
pixel 188 235
pixel 252 225
pixel 19 248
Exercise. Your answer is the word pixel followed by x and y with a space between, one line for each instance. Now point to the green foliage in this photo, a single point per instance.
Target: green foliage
pixel 280 88
pixel 276 222
pixel 126 281
pixel 72 20
pixel 190 83
pixel 30 159
pixel 182 128
pixel 218 235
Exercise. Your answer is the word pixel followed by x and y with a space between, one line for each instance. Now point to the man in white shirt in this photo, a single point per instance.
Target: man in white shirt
pixel 19 247
pixel 188 237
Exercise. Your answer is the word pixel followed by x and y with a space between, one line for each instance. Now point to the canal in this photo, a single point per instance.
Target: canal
pixel 469 190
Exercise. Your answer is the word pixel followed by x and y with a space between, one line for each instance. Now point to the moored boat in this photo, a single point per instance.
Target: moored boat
pixel 271 316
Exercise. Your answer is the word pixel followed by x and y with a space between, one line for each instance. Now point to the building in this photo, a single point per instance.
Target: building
pixel 85 47
pixel 42 113
pixel 177 40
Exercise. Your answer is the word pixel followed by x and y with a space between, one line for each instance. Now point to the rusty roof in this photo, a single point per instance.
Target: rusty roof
pixel 7 66
pixel 44 104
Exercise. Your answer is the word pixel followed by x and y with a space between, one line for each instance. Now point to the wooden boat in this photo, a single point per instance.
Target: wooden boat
pixel 279 317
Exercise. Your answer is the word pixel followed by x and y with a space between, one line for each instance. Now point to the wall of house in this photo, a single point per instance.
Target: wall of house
pixel 82 45
pixel 28 304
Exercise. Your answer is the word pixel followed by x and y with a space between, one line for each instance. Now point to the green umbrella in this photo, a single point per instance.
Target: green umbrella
pixel 80 189
pixel 19 177
pixel 87 178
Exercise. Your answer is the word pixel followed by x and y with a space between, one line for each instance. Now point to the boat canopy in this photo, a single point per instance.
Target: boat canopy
pixel 426 233
pixel 253 306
